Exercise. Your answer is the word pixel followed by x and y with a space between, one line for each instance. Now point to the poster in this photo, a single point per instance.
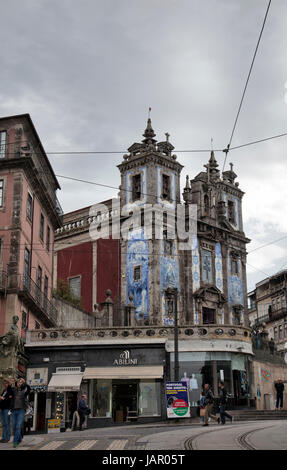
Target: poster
pixel 177 400
pixel 54 425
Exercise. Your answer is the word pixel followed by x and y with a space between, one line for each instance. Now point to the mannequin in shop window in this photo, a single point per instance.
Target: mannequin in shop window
pixel 194 393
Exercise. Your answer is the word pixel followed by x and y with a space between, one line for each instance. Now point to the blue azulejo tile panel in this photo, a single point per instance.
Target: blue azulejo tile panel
pixel 169 277
pixel 218 267
pixel 138 257
pixel 195 266
pixel 235 286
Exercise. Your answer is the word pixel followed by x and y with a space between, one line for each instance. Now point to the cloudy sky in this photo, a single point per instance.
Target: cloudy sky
pixel 88 71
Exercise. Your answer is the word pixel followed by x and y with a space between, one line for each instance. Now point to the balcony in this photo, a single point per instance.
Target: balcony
pixel 37 301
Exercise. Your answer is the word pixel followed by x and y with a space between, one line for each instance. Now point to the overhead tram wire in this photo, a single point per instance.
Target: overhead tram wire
pixel 245 88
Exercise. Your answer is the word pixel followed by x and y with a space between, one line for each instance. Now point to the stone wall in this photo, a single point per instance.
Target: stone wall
pixel 70 316
pixel 264 376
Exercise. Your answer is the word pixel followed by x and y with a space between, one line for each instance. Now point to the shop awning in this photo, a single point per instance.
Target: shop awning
pixel 65 382
pixel 140 372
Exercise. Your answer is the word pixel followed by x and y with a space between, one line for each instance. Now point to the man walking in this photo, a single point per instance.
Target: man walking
pixel 82 410
pixel 209 400
pixel 223 403
pixel 279 386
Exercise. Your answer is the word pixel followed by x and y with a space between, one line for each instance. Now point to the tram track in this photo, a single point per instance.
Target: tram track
pixel 242 440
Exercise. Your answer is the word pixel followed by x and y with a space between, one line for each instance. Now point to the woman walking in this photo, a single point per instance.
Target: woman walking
pixel 19 404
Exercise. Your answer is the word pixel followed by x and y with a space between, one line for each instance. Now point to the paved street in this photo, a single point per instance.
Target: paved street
pixel 259 435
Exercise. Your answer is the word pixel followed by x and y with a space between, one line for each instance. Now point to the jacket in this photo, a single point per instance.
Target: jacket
pixel 209 397
pixel 222 396
pixel 279 388
pixel 24 392
pixel 82 406
pixel 7 394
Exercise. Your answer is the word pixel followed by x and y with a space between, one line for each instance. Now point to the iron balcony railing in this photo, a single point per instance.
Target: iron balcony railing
pixel 24 149
pixel 28 287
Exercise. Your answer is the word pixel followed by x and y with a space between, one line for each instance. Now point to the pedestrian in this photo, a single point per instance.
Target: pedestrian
pixel 202 405
pixel 5 405
pixel 279 386
pixel 223 403
pixel 209 400
pixel 19 404
pixel 28 418
pixel 83 410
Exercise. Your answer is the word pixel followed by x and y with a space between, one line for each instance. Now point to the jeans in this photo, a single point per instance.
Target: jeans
pixel 18 420
pixel 279 400
pixel 223 413
pixel 6 428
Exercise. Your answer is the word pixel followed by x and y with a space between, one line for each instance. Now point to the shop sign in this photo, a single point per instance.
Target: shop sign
pixel 177 402
pixel 125 360
pixel 54 425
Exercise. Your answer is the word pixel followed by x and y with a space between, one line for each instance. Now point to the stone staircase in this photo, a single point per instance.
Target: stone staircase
pixel 257 415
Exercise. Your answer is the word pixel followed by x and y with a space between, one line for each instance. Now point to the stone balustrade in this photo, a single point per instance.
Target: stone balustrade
pixel 126 334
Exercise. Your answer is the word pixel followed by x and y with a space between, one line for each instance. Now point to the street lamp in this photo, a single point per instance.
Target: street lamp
pixel 171 294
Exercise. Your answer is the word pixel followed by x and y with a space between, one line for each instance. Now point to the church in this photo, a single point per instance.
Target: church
pixel 144 265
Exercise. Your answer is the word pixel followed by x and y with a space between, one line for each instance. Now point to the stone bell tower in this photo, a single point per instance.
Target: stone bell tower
pixel 150 188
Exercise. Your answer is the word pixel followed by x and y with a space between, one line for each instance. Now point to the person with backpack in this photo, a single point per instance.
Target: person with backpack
pixel 223 403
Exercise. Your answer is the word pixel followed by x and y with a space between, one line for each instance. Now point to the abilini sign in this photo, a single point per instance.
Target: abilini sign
pixel 125 360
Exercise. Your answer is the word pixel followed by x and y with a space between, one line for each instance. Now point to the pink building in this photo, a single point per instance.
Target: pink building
pixel 29 215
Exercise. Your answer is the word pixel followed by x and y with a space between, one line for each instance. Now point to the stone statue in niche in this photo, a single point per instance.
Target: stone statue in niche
pixel 11 343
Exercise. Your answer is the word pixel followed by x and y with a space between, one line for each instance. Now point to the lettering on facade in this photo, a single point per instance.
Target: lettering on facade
pixel 125 360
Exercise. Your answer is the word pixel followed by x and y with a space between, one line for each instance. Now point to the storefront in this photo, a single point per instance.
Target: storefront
pixel 122 384
pixel 199 368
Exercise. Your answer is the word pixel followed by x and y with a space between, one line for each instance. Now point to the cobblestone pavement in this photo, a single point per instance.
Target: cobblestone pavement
pixel 267 435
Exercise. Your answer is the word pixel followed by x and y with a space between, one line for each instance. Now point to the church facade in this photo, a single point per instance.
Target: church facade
pixel 147 264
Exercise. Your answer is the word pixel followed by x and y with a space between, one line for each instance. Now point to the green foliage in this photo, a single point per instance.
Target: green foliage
pixel 64 292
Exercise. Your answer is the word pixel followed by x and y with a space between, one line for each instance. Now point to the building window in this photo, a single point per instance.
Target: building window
pixel 26 267
pixel 234 266
pixel 285 330
pixel 280 331
pixel 206 205
pixel 37 325
pixel 207 273
pixel 167 244
pixel 29 207
pixel 1 192
pixel 208 316
pixel 42 227
pixel 166 187
pixel 24 321
pixel 75 286
pixel 3 135
pixel 48 238
pixel 231 212
pixel 136 187
pixel 137 273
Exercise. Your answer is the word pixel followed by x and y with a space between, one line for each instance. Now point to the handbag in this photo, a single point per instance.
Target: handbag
pixel 87 411
pixel 202 411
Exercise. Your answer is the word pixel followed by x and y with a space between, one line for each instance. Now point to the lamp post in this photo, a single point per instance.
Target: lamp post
pixel 171 294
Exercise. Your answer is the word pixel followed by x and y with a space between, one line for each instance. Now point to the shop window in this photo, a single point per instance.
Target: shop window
pixel 136 187
pixel 149 398
pixel 102 398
